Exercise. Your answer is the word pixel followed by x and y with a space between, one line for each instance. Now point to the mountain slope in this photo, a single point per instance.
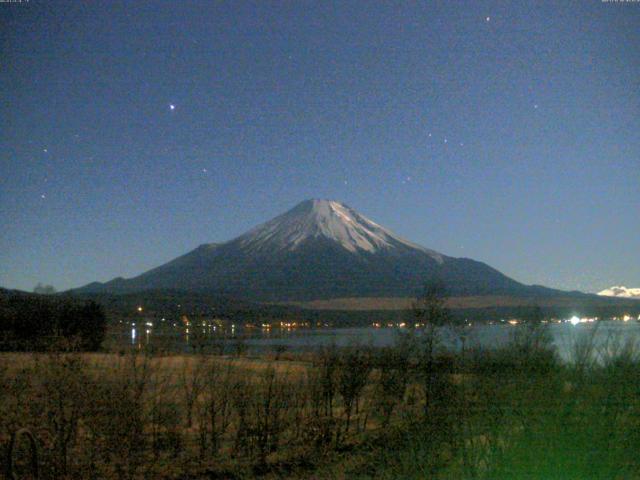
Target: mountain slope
pixel 319 249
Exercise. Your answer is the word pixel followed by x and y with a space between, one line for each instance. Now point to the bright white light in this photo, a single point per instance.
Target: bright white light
pixel 172 107
pixel 133 334
pixel 574 320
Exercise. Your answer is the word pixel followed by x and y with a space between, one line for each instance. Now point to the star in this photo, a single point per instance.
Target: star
pixel 43 196
pixel 535 106
pixel 204 170
pixel 45 150
pixel 488 19
pixel 446 141
pixel 172 107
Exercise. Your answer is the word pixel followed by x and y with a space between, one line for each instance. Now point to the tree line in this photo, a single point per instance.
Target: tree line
pixel 37 322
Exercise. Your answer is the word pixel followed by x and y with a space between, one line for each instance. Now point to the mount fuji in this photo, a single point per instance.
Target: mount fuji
pixel 320 249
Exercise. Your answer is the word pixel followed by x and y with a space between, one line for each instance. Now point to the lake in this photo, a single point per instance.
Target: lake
pixel 606 334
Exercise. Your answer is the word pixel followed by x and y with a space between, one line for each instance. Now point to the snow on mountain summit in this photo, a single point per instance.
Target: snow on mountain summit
pixel 330 220
pixel 620 291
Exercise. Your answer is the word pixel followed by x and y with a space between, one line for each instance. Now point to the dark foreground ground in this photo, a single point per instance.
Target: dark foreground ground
pixel 400 412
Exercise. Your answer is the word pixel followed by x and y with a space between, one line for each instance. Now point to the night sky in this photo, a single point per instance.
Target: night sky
pixel 507 132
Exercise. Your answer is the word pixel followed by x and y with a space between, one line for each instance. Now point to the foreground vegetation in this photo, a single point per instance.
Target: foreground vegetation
pixel 411 411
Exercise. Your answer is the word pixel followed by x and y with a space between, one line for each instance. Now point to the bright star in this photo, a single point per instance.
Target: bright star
pixel 488 19
pixel 172 107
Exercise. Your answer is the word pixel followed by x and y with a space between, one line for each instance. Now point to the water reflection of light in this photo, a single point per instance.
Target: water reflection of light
pixel 133 335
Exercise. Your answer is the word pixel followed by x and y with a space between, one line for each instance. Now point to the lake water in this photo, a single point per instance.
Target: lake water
pixel 609 334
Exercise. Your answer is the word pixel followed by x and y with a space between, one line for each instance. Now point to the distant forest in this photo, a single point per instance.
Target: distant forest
pixel 40 322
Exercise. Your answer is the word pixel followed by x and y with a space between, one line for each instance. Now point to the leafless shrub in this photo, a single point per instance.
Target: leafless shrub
pixel 353 374
pixel 193 382
pixel 214 412
pixel 166 423
pixel 240 346
pixel 61 399
pixel 118 414
pixel 162 413
pixel 321 389
pixel 261 410
pixel 392 365
pixel 270 406
pixel 279 350
pixel 327 368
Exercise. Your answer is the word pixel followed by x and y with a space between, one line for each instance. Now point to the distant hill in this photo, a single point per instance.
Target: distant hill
pixel 320 250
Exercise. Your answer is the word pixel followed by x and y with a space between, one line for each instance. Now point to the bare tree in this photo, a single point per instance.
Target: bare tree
pixel 215 409
pixel 431 312
pixel 393 376
pixel 354 370
pixel 193 381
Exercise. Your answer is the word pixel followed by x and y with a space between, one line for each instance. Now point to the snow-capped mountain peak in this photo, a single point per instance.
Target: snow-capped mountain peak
pixel 330 220
pixel 620 291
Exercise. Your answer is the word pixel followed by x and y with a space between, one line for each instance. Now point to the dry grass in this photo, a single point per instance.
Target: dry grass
pixel 335 414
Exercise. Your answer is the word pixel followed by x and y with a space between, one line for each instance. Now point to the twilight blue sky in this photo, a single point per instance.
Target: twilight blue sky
pixel 508 132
